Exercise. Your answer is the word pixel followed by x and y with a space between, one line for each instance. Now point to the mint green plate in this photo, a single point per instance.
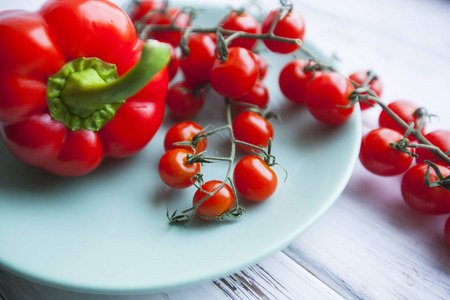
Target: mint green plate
pixel 107 232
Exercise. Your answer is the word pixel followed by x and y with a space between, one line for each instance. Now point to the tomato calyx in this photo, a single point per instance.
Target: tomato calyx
pixel 442 181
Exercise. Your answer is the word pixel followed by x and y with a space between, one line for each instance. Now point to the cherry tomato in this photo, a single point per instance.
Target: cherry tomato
pixel 375 85
pixel 378 157
pixel 294 81
pixel 291 25
pixel 222 201
pixel 440 139
pixel 447 232
pixel 237 75
pixel 252 128
pixel 174 63
pixel 258 95
pixel 242 22
pixel 143 7
pixel 325 93
pixel 184 102
pixel 175 171
pixel 405 110
pixel 184 131
pixel 166 17
pixel 262 65
pixel 254 179
pixel 424 199
pixel 197 65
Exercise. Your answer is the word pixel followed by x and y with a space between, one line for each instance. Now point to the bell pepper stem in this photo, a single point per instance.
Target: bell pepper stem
pixel 154 57
pixel 87 92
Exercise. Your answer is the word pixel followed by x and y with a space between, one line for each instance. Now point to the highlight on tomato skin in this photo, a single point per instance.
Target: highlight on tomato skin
pixel 327 98
pixel 174 170
pixel 375 85
pixel 439 138
pixel 292 25
pixel 252 128
pixel 222 201
pixel 420 197
pixel 254 179
pixel 181 132
pixel 405 110
pixel 242 21
pixel 235 76
pixel 378 157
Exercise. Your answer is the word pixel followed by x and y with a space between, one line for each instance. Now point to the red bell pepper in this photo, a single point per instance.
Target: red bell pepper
pixel 77 85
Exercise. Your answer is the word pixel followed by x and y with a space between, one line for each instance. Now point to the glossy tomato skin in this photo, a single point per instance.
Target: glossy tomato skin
pixel 174 62
pixel 325 94
pixel 252 128
pixel 405 110
pixel 237 75
pixel 294 80
pixel 166 17
pixel 184 131
pixel 426 200
pixel 375 85
pixel 174 171
pixel 183 101
pixel 439 138
pixel 197 65
pixel 242 22
pixel 258 95
pixel 143 7
pixel 254 179
pixel 262 65
pixel 291 26
pixel 217 204
pixel 378 157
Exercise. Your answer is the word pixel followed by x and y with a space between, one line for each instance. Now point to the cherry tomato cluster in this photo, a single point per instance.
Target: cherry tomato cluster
pixel 225 60
pixel 325 94
pixel 391 150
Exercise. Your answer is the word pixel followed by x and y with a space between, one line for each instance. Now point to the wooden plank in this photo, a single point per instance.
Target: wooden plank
pixel 277 277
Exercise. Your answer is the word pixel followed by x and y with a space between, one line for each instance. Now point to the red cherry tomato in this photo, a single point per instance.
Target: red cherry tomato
pixel 375 85
pixel 242 22
pixel 405 110
pixel 294 81
pixel 175 171
pixel 143 7
pixel 258 95
pixel 290 26
pixel 237 75
pixel 254 179
pixel 184 131
pixel 222 201
pixel 424 199
pixel 184 102
pixel 447 232
pixel 252 128
pixel 166 17
pixel 174 63
pixel 440 139
pixel 262 65
pixel 325 94
pixel 378 157
pixel 197 65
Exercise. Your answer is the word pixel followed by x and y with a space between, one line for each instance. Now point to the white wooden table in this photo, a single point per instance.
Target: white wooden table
pixel 369 245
